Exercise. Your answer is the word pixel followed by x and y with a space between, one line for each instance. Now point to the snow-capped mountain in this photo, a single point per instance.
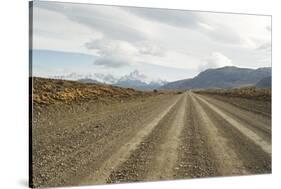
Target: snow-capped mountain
pixel 99 77
pixel 134 79
pixel 106 78
pixel 138 80
pixel 71 76
pixel 135 76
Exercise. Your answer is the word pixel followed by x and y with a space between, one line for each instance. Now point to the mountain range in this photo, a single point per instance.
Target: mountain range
pixel 225 77
pixel 264 83
pixel 134 80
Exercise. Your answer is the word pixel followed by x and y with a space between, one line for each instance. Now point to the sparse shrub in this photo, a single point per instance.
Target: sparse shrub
pixel 52 91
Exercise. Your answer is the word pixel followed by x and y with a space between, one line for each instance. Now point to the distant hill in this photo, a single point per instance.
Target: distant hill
pixel 88 81
pixel 135 80
pixel 225 77
pixel 264 83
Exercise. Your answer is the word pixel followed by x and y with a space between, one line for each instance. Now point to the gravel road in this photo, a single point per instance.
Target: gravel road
pixel 155 138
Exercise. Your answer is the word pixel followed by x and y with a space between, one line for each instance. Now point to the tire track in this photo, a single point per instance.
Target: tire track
pixel 226 158
pixel 262 108
pixel 254 159
pixel 75 155
pixel 265 145
pixel 103 173
pixel 172 137
pixel 164 164
pixel 196 158
pixel 256 122
pixel 156 157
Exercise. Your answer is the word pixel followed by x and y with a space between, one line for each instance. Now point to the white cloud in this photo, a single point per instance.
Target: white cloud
pixel 124 36
pixel 206 26
pixel 265 46
pixel 176 18
pixel 117 53
pixel 113 61
pixel 105 47
pixel 150 48
pixel 216 60
pixel 112 53
pixel 237 29
pixel 54 31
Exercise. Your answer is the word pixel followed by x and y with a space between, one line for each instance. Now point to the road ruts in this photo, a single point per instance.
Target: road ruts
pixel 80 147
pixel 196 158
pixel 209 144
pixel 252 149
pixel 225 157
pixel 156 157
pixel 169 137
pixel 257 123
pixel 104 171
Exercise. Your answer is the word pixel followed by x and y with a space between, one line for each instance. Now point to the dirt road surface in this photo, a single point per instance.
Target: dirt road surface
pixel 159 138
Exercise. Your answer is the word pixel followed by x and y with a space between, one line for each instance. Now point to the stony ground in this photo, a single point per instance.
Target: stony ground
pixel 148 137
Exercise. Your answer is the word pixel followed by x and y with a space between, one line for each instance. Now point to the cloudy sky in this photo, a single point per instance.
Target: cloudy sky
pixel 161 43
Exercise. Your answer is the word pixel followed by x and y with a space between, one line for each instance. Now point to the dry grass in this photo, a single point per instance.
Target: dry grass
pixel 51 91
pixel 244 92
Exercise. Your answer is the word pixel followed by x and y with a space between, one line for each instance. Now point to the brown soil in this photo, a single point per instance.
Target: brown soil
pixel 145 137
